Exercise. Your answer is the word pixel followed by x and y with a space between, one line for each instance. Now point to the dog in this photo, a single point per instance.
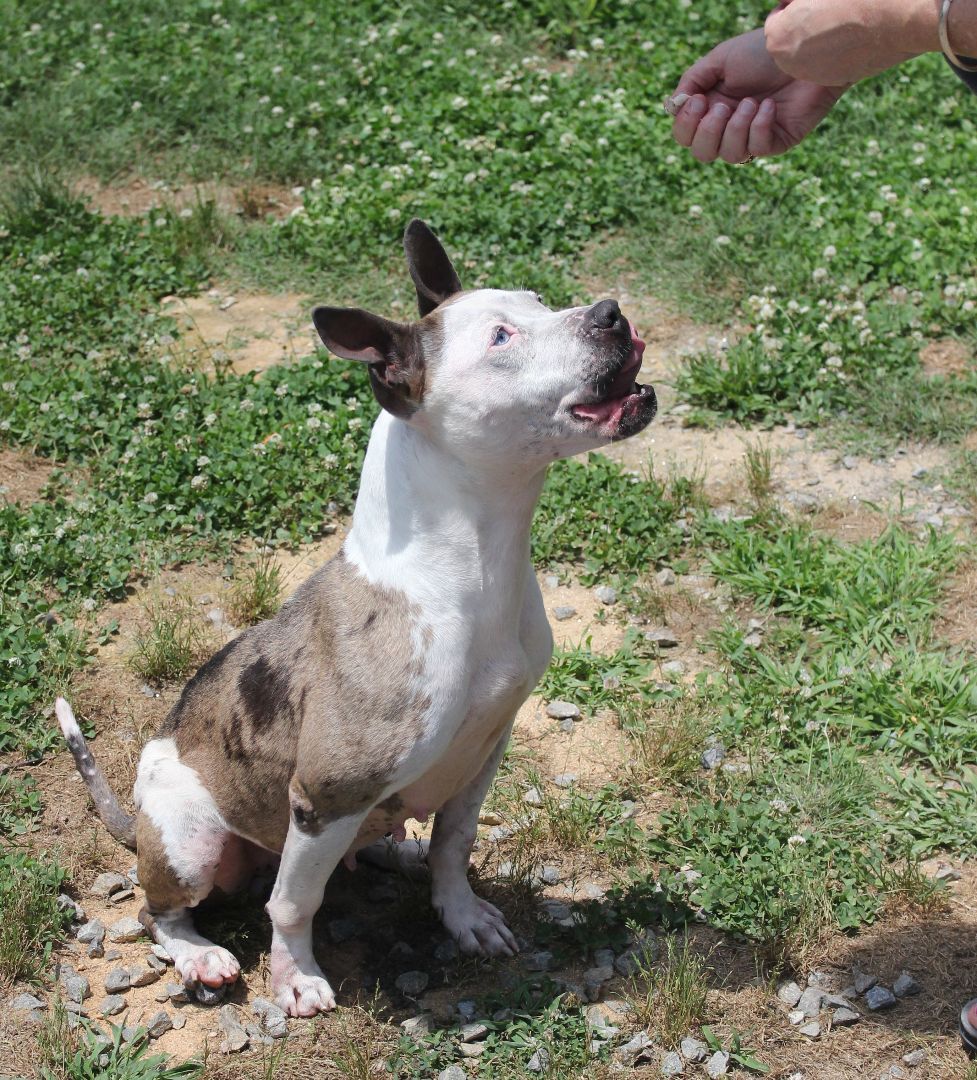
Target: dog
pixel 387 685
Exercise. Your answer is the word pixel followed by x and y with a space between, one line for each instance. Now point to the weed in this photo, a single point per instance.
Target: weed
pixel 758 469
pixel 172 642
pixel 30 920
pixel 910 891
pixel 20 804
pixel 91 1057
pixel 664 739
pixel 738 1054
pixel 256 594
pixel 669 996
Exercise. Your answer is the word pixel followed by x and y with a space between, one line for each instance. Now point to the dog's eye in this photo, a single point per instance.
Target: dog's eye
pixel 500 337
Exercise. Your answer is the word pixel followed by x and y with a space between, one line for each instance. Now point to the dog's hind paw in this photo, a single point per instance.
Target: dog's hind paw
pixel 479 928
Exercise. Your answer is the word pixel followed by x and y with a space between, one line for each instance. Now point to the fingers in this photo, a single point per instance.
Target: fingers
pixel 687 119
pixel 734 145
pixel 761 140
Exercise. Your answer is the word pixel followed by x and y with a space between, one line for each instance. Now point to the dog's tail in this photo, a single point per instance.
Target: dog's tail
pixel 120 824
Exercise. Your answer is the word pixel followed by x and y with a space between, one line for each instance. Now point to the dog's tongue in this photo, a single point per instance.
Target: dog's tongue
pixel 599 411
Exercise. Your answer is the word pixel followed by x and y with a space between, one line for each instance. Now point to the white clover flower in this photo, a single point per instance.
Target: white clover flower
pixel 830 251
pixel 597 43
pixel 9 387
pixel 647 46
pixel 14 661
pixel 81 272
pixel 695 210
pixel 722 240
pixel 150 497
pixel 210 419
pixel 796 840
pixel 874 217
pixel 779 806
pixel 136 106
pixel 330 460
pixel 203 461
pixel 281 389
pixel 355 423
pixel 819 274
pixel 198 481
pixel 313 423
pixel 143 408
pixel 834 362
pixel 277 110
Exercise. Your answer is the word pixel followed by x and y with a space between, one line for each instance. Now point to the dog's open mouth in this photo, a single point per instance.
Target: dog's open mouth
pixel 618 399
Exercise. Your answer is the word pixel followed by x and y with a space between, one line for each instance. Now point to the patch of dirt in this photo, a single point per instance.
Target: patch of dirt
pixel 947 356
pixel 242 331
pixel 957 623
pixel 133 196
pixel 23 476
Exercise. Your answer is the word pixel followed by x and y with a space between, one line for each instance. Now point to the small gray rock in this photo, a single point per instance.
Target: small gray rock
pixel 863 981
pixel 605 594
pixel 117 981
pixel 672 1064
pixel 844 1017
pixel 160 953
pixel 453 1072
pixel 562 710
pixel 467 1010
pixel 566 726
pixel 106 884
pixel 539 1062
pixel 795 1017
pixel 810 1001
pixel 919 473
pixel 880 997
pixel 25 1003
pixel 789 993
pixel 636 955
pixel 155 963
pixel 662 637
pixel 96 950
pixel 159 1024
pixel 718 1064
pixel 811 1030
pixel 906 986
pixel 565 780
pixel 142 975
pixel 694 1050
pixel 127 929
pixel 76 987
pixel 113 954
pixel 540 960
pixel 235 1037
pixel 91 932
pixel 713 757
pixel 636 1049
pixel 849 462
pixel 176 992
pixel 564 612
pixel 111 1005
pixel 666 576
pixel 122 896
pixel 550 875
pixel 274 1022
pixel 417 1026
pixel 412 983
pixel 446 952
pixel 896 1072
pixel 673 667
pixel 533 797
pixel 602 973
pixel 473 1033
pixel 914 1058
pixel 179 1022
pixel 66 903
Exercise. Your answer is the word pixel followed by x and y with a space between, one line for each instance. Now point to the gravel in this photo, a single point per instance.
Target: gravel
pixel 417 1026
pixel 274 1022
pixel 605 594
pixel 713 757
pixel 666 576
pixel 473 1032
pixel 539 1062
pixel 110 1005
pixel 25 1003
pixel 66 903
pixel 540 960
pixel 643 950
pixel 811 1030
pixel 810 1001
pixel 789 993
pixel 914 1058
pixel 906 986
pixel 412 983
pixel 533 797
pixel 446 952
pixel 565 780
pixel 863 981
pixel 91 933
pixel 453 1072
pixel 673 667
pixel 672 1064
pixel 159 1024
pixel 880 997
pixel 564 612
pixel 127 929
pixel 562 710
pixel 718 1064
pixel 117 981
pixel 844 1017
pixel 235 1037
pixel 661 637
pixel 106 884
pixel 694 1050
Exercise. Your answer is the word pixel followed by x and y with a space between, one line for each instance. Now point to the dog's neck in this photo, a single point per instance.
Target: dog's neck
pixel 432 525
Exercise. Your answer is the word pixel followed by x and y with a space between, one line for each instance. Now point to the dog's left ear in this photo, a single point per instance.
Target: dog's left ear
pixel 392 350
pixel 434 276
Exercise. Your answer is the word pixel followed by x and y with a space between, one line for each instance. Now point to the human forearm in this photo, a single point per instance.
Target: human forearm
pixel 839 42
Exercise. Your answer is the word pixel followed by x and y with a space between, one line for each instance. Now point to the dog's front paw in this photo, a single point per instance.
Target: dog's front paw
pixel 302 993
pixel 478 927
pixel 207 971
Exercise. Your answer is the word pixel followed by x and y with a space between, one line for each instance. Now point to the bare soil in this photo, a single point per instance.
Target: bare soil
pixel 23 476
pixel 132 196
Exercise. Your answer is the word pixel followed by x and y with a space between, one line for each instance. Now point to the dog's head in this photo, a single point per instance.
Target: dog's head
pixel 493 374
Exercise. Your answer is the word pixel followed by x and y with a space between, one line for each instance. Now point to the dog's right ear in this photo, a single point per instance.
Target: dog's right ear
pixel 434 276
pixel 392 350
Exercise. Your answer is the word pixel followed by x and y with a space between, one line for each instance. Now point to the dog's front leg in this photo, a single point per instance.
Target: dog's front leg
pixel 477 925
pixel 309 857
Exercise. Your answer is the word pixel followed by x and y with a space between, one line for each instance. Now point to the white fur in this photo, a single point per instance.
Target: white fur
pixel 174 798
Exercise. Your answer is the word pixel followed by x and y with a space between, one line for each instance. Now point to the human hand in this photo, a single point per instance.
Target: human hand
pixel 839 42
pixel 736 103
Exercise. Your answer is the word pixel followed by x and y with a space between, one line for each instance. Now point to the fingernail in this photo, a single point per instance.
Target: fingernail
pixel 747 107
pixel 697 106
pixel 766 110
pixel 674 103
pixel 721 111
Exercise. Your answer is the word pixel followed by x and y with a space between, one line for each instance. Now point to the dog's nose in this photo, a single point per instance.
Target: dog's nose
pixel 606 315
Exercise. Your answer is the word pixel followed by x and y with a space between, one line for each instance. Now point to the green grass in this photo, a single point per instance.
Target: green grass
pixel 669 996
pixel 171 643
pixel 256 591
pixel 30 920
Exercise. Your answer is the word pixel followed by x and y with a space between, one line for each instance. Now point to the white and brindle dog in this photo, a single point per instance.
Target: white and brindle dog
pixel 387 685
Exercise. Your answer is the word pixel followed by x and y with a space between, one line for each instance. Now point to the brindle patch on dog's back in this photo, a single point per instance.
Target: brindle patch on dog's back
pixel 323 696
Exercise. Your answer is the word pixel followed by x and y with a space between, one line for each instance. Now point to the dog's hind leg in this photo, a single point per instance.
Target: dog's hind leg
pixel 477 925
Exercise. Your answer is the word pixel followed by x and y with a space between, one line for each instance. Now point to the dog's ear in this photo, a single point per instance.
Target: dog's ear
pixel 434 276
pixel 392 350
